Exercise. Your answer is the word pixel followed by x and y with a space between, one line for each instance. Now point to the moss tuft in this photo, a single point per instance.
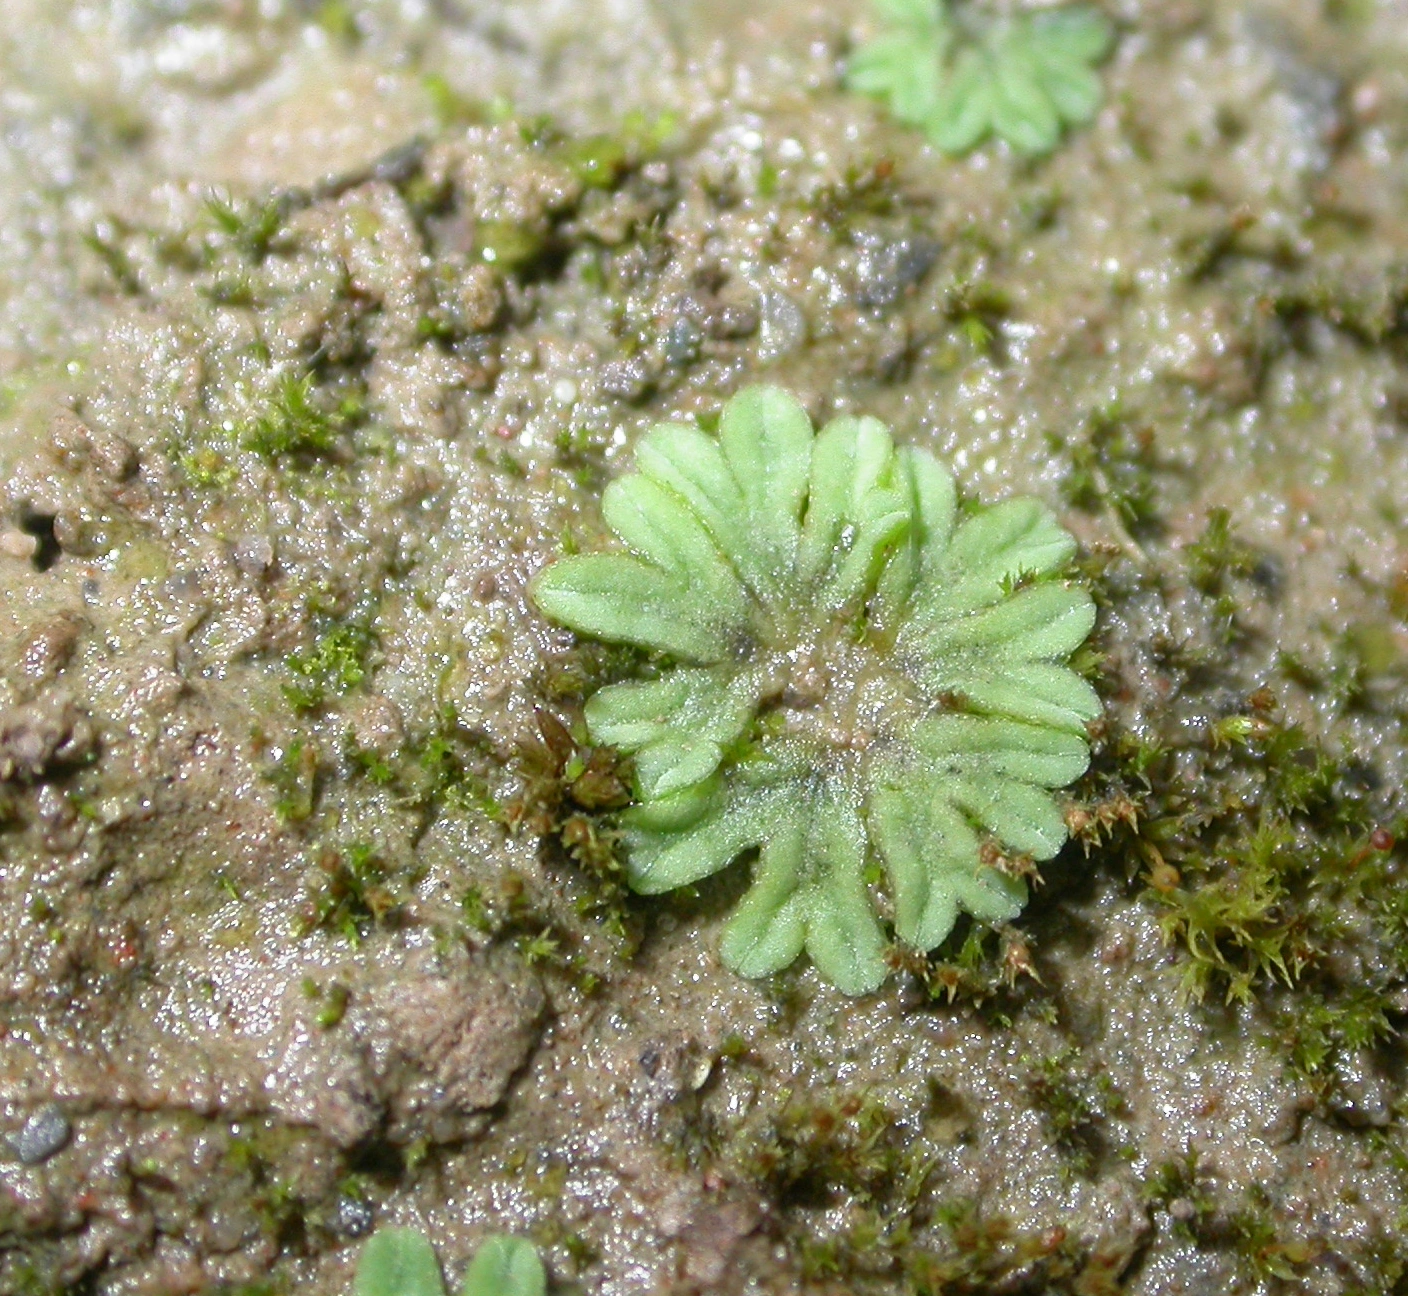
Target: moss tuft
pixel 294 425
pixel 335 664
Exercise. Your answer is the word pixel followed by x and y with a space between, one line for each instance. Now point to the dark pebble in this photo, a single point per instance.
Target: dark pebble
pixel 253 555
pixel 1364 1095
pixel 629 380
pixel 44 1133
pixel 733 322
pixel 887 270
pixel 682 342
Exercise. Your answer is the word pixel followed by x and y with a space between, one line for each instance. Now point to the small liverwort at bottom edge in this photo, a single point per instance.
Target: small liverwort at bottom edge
pixel 401 1262
pixel 855 669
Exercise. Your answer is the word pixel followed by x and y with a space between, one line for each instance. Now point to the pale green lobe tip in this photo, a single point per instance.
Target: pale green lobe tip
pixel 625 600
pixel 673 764
pixel 1074 90
pixel 1019 815
pixel 769 928
pixel 750 555
pixel 1022 111
pixel 846 459
pixel 657 524
pixel 631 715
pixel 895 66
pixel 932 502
pixel 965 771
pixel 981 746
pixel 1014 539
pixel 935 504
pixel 693 466
pixel 1078 35
pixel 921 14
pixel 843 936
pixel 398 1262
pixel 856 509
pixel 930 848
pixel 1040 623
pixel 1038 693
pixel 676 726
pixel 963 113
pixel 766 438
pixel 653 825
pixel 505 1266
pixel 663 858
pixel 808 893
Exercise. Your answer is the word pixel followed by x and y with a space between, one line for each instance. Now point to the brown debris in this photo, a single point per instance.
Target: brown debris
pixel 41 737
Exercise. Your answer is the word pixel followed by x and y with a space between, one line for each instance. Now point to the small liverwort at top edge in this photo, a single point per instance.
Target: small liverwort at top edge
pixel 857 669
pixel 1024 78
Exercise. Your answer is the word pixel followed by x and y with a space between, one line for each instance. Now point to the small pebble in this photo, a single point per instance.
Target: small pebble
pixel 887 270
pixel 629 380
pixel 17 544
pixel 682 342
pixel 784 326
pixel 1364 1096
pixel 734 322
pixel 253 555
pixel 354 1217
pixel 44 1133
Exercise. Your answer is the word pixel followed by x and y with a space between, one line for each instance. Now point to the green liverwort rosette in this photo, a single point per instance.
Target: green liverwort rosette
pixel 856 672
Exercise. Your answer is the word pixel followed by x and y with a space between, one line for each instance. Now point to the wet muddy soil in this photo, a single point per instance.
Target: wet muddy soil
pixel 322 327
